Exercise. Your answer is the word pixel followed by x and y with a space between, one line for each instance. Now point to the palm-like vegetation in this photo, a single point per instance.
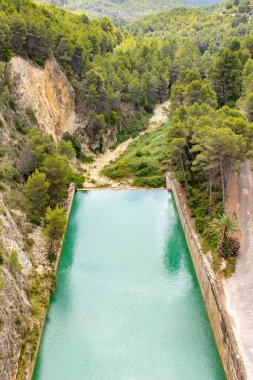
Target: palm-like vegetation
pixel 225 227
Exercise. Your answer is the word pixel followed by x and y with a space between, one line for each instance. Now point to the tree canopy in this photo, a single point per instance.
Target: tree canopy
pixel 122 11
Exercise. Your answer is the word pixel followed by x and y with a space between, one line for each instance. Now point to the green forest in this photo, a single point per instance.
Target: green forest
pixel 105 68
pixel 201 59
pixel 124 11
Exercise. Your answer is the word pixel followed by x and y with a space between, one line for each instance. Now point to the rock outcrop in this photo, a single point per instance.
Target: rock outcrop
pixel 47 91
pixel 15 308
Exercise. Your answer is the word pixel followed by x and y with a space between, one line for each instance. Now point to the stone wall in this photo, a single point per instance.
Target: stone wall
pixel 67 205
pixel 211 290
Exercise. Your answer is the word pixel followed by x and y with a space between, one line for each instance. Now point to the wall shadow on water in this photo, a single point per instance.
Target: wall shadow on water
pixel 173 256
pixel 67 254
pixel 175 246
pixel 177 250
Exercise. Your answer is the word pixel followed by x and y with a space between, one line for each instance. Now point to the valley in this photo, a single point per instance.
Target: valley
pixel 93 176
pixel 126 102
pixel 124 11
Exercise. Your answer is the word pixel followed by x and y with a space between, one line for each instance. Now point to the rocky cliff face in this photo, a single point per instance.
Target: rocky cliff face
pixel 47 91
pixel 51 97
pixel 15 308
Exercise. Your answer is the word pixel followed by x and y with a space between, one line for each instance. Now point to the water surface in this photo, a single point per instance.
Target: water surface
pixel 128 305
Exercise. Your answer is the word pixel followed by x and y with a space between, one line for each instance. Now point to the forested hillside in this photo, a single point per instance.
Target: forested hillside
pixel 204 26
pixel 210 130
pixel 125 10
pixel 110 77
pixel 201 59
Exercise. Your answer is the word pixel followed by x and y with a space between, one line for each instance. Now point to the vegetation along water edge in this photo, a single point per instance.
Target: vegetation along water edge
pixel 73 89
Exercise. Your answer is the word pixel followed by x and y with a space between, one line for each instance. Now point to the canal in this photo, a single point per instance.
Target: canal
pixel 128 304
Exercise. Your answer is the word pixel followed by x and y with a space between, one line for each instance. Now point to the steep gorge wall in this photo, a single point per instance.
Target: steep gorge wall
pixel 15 308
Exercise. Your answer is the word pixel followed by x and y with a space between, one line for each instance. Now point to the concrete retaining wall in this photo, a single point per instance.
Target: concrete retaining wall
pixel 67 205
pixel 212 293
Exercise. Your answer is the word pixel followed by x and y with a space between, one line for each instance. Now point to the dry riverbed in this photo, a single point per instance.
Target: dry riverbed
pixel 93 177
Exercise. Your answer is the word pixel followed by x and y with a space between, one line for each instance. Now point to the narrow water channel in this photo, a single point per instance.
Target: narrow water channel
pixel 128 305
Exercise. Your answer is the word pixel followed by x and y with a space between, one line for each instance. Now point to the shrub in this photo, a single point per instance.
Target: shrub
pixel 8 172
pixel 86 159
pixel 200 224
pixel 2 151
pixel 28 243
pixel 144 167
pixel 13 262
pixel 20 127
pixel 1 323
pixel 2 280
pixel 155 181
pixel 52 257
pixel 133 128
pixel 116 171
pixel 1 256
pixel 14 198
pixel 30 113
pixel 229 270
pixel 143 160
pixel 149 108
pixel 78 179
pixel 114 118
pixel 138 153
pixel 12 104
pixel 35 219
pixel 77 147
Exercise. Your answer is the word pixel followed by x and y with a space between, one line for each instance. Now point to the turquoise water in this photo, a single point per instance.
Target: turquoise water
pixel 128 305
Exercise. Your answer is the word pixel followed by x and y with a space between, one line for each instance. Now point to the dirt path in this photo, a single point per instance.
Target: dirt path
pixel 239 289
pixel 93 177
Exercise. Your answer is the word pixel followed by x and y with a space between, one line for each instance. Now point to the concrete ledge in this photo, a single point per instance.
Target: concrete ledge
pixel 122 188
pixel 212 293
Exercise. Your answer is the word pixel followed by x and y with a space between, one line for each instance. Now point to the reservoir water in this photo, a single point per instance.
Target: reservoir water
pixel 128 304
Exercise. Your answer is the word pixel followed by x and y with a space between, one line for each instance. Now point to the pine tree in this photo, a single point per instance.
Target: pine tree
pixel 248 106
pixel 225 75
pixel 66 148
pixel 56 169
pixel 55 225
pixel 36 193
